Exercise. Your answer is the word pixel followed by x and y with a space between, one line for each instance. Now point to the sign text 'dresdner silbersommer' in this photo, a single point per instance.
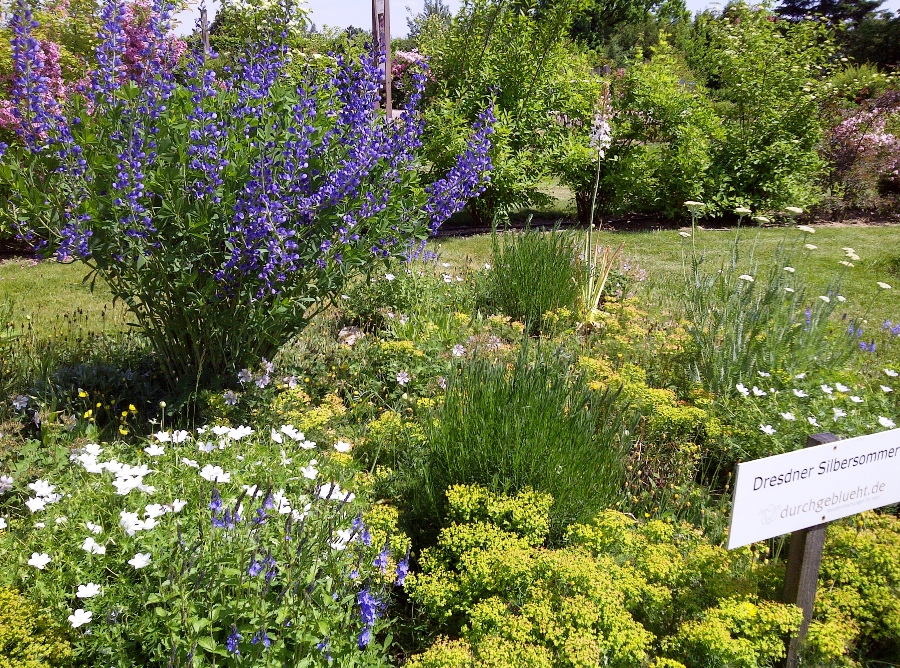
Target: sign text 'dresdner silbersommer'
pixel 784 493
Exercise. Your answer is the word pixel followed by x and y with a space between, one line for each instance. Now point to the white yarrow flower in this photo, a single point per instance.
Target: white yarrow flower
pixel 883 285
pixel 746 277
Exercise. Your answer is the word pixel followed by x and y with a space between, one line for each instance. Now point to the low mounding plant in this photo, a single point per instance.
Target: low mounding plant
pixel 532 424
pixel 533 273
pixel 191 552
pixel 224 212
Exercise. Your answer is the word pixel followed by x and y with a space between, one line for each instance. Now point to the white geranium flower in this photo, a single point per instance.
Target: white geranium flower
pixel 163 436
pixel 36 504
pixel 840 387
pixel 788 416
pixel 800 393
pixel 155 450
pixel 154 510
pixel 891 373
pixel 856 400
pixel 88 591
pixel 800 376
pixel 333 492
pixel 758 392
pixel 278 438
pixel 839 412
pixel 389 277
pixel 826 389
pixel 740 387
pixel 764 374
pixel 39 561
pixel 885 388
pixel 91 546
pixel 180 436
pixel 343 446
pixel 459 350
pixel 886 422
pixel 80 617
pixel 95 529
pixel 206 447
pixel 140 560
pixel 42 488
pixel 812 421
pixel 190 462
pixel 310 472
pixel 6 483
pixel 214 474
pixel 767 429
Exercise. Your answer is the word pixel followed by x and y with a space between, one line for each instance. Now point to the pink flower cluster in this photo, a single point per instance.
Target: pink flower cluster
pixel 138 38
pixel 863 136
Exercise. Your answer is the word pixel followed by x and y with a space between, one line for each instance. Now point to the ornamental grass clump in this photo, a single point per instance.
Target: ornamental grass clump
pixel 532 424
pixel 225 212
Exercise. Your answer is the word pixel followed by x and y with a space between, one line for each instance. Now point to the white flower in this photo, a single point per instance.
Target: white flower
pixel 743 211
pixel 764 374
pixel 88 591
pixel 343 446
pixel 36 504
pixel 841 298
pixel 342 537
pixel 790 270
pixel 206 447
pixel 886 422
pixel 163 436
pixel 796 210
pixel 839 412
pixel 42 488
pixel 6 483
pixel 767 429
pixel 180 436
pixel 278 438
pixel 333 492
pixel 310 472
pixel 80 617
pixel 848 250
pixel 62 519
pixel 840 387
pixel 789 290
pixel 742 389
pixel 758 392
pixel 883 286
pixel 214 474
pixel 291 432
pixel 130 522
pixel 761 219
pixel 154 510
pixel 746 277
pixel 801 376
pixel 686 235
pixel 190 462
pixel 39 561
pixel 94 528
pixel 800 393
pixel 812 421
pixel 810 246
pixel 459 350
pixel 92 547
pixel 891 373
pixel 825 299
pixel 220 430
pixel 807 229
pixel 155 450
pixel 140 560
pixel 39 525
pixel 885 388
pixel 285 460
pixel 788 416
pixel 856 400
pixel 826 389
pixel 847 264
pixel 389 277
pixel 177 505
pixel 2 523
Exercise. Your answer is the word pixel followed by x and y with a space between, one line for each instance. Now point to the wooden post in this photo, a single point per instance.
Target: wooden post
pixel 381 45
pixel 204 30
pixel 804 559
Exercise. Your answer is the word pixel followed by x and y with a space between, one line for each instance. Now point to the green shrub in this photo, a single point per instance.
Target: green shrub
pixel 620 593
pixel 533 273
pixel 533 423
pixel 28 639
pixel 857 613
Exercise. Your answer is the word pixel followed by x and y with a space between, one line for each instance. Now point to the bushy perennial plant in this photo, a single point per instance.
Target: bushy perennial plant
pixel 220 546
pixel 225 211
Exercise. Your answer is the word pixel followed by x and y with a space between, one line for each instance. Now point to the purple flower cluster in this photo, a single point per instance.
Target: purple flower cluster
pixel 369 610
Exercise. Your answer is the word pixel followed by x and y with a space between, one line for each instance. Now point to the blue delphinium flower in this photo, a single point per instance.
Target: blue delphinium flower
pixel 261 637
pixel 402 569
pixel 365 637
pixel 381 561
pixel 215 503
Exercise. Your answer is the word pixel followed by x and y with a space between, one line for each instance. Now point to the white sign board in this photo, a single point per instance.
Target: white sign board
pixel 796 490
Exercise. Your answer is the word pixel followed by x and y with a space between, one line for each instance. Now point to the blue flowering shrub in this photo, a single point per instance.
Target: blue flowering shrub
pixel 220 546
pixel 618 593
pixel 225 212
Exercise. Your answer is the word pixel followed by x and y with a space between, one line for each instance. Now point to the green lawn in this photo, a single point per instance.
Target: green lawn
pixel 50 293
pixel 661 253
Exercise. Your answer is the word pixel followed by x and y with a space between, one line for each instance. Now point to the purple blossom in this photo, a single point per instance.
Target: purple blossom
pixel 233 640
pixel 381 561
pixel 261 637
pixel 402 569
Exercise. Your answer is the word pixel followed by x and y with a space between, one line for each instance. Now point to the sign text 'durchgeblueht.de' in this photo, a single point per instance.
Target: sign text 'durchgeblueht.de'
pixel 784 493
